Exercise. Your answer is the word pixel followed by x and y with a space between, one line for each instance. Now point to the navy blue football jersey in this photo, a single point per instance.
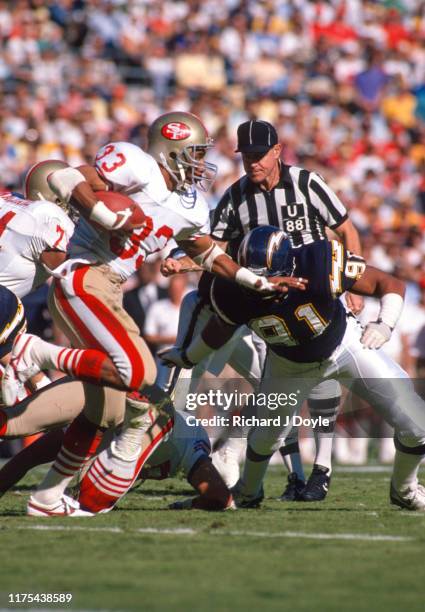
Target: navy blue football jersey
pixel 12 319
pixel 304 326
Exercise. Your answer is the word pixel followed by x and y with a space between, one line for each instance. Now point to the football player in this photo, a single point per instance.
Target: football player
pixel 12 323
pixel 34 233
pixel 186 449
pixel 310 337
pixel 86 296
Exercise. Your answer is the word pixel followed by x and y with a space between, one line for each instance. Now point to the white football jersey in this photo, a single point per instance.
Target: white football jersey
pixel 129 170
pixel 27 228
pixel 179 452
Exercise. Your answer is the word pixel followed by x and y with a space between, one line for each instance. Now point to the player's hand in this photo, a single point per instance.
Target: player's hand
pixel 375 335
pixel 174 356
pixel 282 284
pixel 125 223
pixel 170 266
pixel 354 302
pixel 184 504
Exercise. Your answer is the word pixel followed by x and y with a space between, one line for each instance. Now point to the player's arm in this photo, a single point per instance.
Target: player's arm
pixel 80 185
pixel 335 216
pixel 390 291
pixel 350 238
pixel 178 262
pixel 209 256
pixel 51 259
pixel 213 493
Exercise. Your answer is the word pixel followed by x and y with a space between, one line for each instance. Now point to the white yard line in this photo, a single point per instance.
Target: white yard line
pixel 362 469
pixel 366 537
pixel 69 528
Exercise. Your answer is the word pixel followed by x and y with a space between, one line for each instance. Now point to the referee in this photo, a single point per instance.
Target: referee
pixel 273 193
pixel 299 202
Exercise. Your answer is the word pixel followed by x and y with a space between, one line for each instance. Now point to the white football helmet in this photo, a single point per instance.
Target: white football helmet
pixel 178 141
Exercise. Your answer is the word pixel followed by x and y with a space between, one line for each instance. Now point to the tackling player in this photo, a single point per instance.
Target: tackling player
pixel 311 338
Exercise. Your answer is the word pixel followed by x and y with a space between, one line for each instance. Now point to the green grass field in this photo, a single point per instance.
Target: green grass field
pixel 351 552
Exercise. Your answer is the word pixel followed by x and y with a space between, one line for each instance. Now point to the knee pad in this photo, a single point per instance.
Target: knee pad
pixel 326 390
pixel 416 446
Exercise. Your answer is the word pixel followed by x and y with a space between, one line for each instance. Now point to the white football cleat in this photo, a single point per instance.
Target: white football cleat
pixel 12 391
pixel 20 368
pixel 65 506
pixel 410 498
pixel 226 462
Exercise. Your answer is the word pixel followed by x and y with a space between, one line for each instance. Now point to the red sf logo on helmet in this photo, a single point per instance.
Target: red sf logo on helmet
pixel 175 131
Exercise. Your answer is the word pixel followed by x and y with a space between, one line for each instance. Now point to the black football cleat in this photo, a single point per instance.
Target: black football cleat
pixel 293 489
pixel 317 486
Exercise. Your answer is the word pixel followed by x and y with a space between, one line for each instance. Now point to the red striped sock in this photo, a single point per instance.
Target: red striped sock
pixel 79 444
pixel 109 478
pixel 82 363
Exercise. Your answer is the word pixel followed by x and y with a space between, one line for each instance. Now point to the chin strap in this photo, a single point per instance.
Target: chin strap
pixel 180 183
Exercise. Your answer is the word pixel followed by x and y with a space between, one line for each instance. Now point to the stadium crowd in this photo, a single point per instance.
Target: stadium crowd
pixel 342 81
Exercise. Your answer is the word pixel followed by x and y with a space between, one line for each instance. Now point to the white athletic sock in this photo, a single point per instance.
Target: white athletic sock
pixel 405 471
pixel 127 445
pixel 52 488
pixel 253 474
pixel 79 444
pixel 324 442
pixel 326 409
pixel 50 356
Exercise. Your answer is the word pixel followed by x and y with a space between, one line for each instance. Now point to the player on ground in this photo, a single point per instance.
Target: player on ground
pixel 186 449
pixel 310 337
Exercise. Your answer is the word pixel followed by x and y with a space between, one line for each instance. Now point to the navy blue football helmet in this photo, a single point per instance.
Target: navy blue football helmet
pixel 12 319
pixel 266 251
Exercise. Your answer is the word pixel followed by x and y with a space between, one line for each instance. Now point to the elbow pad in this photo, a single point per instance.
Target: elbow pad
pixel 207 258
pixel 64 181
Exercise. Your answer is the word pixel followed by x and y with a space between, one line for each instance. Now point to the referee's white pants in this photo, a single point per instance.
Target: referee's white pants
pixel 370 374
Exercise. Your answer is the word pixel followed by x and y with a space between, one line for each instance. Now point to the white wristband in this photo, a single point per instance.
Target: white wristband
pixel 207 258
pixel 391 308
pixel 103 216
pixel 64 181
pixel 246 278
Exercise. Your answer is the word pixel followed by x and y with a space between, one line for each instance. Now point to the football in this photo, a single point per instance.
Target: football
pixel 117 202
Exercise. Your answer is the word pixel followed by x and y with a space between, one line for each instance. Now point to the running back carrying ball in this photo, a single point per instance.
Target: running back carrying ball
pixel 113 209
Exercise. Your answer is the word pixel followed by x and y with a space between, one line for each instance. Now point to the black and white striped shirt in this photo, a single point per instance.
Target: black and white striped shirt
pixel 301 204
